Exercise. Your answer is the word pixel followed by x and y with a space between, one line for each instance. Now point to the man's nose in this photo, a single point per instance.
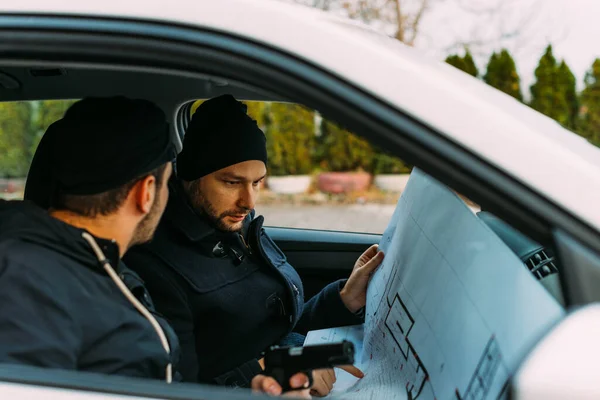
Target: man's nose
pixel 247 197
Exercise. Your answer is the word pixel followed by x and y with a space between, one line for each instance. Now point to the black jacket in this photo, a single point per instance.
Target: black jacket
pixel 59 308
pixel 198 276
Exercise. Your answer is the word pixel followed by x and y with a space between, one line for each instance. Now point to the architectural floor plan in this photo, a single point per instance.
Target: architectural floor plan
pixel 451 309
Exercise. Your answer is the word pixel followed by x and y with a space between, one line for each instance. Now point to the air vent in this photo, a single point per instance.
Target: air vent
pixel 541 264
pixel 47 72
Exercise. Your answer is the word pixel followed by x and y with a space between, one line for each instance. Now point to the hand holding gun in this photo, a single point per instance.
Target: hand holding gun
pixel 283 362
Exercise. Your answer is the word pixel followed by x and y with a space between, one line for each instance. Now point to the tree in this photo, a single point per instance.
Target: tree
pixel 456 61
pixel 475 24
pixel 258 111
pixel 567 86
pixel 465 63
pixel 501 73
pixel 589 125
pixel 401 20
pixel 43 114
pixel 339 150
pixel 15 129
pixel 470 66
pixel 547 96
pixel 289 129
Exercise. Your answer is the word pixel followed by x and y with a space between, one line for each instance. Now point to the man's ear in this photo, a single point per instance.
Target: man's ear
pixel 145 193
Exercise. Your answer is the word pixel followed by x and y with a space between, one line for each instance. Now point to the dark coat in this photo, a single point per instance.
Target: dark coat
pixel 189 269
pixel 59 308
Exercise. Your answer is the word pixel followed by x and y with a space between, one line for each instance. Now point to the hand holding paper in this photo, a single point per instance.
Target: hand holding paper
pixel 354 293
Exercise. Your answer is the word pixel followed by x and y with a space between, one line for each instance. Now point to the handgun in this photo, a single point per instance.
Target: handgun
pixel 283 362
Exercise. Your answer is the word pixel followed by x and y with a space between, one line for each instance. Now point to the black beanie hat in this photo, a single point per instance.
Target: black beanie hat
pixel 220 134
pixel 100 144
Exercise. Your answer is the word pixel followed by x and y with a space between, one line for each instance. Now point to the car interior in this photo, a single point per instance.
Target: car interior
pixel 319 256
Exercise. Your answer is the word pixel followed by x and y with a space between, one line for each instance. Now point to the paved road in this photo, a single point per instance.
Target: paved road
pixel 371 218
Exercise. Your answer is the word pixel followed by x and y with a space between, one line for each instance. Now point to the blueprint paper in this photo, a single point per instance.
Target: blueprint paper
pixel 354 334
pixel 451 310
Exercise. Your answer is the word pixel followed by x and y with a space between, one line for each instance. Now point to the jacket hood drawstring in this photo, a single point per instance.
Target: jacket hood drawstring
pixel 133 300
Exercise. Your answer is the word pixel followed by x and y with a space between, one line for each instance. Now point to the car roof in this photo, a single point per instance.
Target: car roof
pixel 509 135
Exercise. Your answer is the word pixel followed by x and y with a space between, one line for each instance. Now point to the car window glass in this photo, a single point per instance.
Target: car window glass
pixel 322 176
pixel 22 125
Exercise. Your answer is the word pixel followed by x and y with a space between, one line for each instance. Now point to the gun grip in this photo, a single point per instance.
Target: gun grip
pixel 283 378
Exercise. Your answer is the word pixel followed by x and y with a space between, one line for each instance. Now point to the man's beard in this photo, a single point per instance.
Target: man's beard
pixel 204 208
pixel 144 231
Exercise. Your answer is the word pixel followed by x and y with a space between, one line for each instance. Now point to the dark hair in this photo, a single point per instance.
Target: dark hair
pixel 107 202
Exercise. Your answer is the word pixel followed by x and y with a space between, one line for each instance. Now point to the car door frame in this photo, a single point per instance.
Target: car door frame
pixel 186 50
pixel 92 41
pixel 321 257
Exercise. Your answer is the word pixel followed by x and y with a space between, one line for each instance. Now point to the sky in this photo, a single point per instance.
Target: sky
pixel 572 26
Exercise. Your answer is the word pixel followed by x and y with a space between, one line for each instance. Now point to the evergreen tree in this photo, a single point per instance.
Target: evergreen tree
pixel 590 105
pixel 567 86
pixel 466 63
pixel 470 67
pixel 493 71
pixel 547 96
pixel 502 74
pixel 456 61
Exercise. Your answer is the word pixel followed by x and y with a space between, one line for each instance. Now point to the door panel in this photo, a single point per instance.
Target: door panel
pixel 28 382
pixel 321 257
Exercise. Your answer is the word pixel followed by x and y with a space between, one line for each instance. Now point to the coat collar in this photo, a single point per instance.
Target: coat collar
pixel 181 217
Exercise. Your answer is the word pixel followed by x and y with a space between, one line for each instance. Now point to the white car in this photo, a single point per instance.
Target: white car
pixel 539 178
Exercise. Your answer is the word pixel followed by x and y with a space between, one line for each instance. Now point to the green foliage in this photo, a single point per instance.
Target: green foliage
pixel 340 150
pixel 290 133
pixel 15 131
pixel 387 164
pixel 465 63
pixel 296 146
pixel 257 110
pixel 548 92
pixel 567 86
pixel 44 113
pixel 22 125
pixel 456 61
pixel 470 67
pixel 502 74
pixel 590 105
